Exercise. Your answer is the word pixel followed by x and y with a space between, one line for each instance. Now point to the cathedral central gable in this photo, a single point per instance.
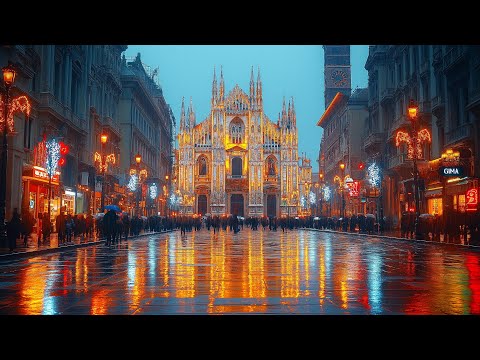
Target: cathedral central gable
pixel 237 101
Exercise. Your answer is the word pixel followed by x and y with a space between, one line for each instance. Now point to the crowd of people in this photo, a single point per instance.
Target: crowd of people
pixel 112 226
pixel 115 226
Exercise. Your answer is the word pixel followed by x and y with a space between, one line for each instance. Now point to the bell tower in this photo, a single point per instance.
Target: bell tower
pixel 337 71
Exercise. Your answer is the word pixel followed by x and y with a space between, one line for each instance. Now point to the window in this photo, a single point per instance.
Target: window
pixel 237 167
pixel 237 131
pixel 202 166
pixel 271 166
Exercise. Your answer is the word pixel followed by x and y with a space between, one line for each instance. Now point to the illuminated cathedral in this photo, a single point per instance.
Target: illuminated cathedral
pixel 237 160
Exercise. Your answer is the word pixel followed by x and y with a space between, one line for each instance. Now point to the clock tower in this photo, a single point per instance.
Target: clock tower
pixel 337 71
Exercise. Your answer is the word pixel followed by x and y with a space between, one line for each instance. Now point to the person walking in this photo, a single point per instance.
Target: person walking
pixel 46 226
pixel 60 226
pixel 14 227
pixel 27 225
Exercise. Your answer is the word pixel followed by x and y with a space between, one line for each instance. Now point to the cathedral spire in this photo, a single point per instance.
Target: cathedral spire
pixel 259 90
pixel 252 89
pixel 294 115
pixel 214 88
pixel 221 95
pixel 284 114
pixel 289 116
pixel 182 116
pixel 191 115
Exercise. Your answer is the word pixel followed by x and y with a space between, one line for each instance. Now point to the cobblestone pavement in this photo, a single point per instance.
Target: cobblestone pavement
pixel 298 272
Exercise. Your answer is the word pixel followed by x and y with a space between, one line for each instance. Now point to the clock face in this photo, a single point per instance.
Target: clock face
pixel 339 78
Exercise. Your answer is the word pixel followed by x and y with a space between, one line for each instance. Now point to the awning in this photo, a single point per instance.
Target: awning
pixel 459 187
pixel 433 193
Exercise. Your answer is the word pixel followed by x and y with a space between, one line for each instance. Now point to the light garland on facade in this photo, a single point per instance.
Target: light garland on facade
pixel 312 198
pixel 373 174
pixel 133 182
pixel 153 191
pixel 108 159
pixel 422 136
pixel 53 155
pixel 326 193
pixel 303 201
pixel 21 104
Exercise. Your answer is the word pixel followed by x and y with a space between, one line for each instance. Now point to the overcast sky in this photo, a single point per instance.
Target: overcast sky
pixel 293 70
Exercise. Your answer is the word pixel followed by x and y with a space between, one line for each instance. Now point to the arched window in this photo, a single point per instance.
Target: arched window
pixel 237 166
pixel 237 131
pixel 202 166
pixel 271 169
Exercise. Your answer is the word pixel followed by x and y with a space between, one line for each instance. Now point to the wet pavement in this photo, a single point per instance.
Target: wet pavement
pixel 298 272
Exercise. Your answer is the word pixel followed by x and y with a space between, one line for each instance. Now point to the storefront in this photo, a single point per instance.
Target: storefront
pixel 35 181
pixel 434 197
pixel 68 200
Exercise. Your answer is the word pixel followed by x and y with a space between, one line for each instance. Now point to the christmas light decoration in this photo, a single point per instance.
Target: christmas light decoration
pixel 53 155
pixel 21 104
pixel 153 191
pixel 133 182
pixel 422 136
pixel 312 198
pixel 326 193
pixel 108 159
pixel 373 174
pixel 303 201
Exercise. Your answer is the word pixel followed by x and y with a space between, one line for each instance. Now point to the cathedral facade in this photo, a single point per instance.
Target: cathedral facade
pixel 237 160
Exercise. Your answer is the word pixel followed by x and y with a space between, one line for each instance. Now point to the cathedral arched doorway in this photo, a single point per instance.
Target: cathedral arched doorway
pixel 271 205
pixel 202 204
pixel 236 167
pixel 236 204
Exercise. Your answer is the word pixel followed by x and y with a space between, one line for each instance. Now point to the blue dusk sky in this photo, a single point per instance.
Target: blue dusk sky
pixel 286 70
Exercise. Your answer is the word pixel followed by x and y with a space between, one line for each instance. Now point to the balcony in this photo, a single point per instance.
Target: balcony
pixel 458 134
pixel 400 122
pixel 396 161
pixel 373 139
pixel 438 106
pixel 48 102
pixel 454 56
pixel 269 179
pixel 203 146
pixel 387 95
pixel 110 123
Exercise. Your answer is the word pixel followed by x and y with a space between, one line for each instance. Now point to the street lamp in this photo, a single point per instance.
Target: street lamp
pixel 138 160
pixel 103 140
pixel 412 114
pixel 7 121
pixel 166 193
pixel 342 167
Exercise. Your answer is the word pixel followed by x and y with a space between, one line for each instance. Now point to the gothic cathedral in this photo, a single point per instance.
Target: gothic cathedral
pixel 238 161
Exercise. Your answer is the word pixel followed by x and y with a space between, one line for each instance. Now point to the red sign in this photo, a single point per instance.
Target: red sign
pixel 41 173
pixel 353 188
pixel 472 199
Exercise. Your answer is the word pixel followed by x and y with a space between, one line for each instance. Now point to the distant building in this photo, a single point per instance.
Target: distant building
pixel 337 71
pixel 237 160
pixel 342 123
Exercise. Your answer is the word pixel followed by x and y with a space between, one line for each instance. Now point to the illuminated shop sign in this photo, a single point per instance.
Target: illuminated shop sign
pixel 41 173
pixel 451 171
pixel 472 199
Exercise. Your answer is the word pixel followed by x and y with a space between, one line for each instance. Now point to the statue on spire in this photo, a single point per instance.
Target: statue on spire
pixel 252 89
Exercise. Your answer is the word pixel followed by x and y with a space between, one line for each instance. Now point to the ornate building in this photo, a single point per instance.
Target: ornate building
pixel 238 161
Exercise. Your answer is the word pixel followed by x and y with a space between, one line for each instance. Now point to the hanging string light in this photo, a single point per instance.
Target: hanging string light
pixel 326 193
pixel 153 191
pixel 422 136
pixel 20 103
pixel 133 182
pixel 312 198
pixel 373 174
pixel 53 155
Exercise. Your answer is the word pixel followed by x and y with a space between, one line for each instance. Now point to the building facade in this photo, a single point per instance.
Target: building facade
pixel 341 151
pixel 444 81
pixel 75 92
pixel 146 124
pixel 337 71
pixel 237 160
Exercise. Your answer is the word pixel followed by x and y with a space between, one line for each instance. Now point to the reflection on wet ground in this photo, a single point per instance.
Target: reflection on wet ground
pixel 299 272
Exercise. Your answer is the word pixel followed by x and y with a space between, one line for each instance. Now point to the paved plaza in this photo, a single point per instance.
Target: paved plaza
pixel 266 272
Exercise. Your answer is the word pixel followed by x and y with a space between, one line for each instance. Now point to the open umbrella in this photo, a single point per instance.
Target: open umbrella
pixel 370 216
pixel 316 218
pixel 113 207
pixel 99 215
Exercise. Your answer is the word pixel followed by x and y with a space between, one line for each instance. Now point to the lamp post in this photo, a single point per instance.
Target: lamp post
pixel 138 160
pixel 103 140
pixel 342 167
pixel 166 193
pixel 412 114
pixel 9 74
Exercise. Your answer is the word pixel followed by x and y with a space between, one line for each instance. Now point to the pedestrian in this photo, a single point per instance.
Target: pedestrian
pixel 46 226
pixel 27 225
pixel 60 226
pixel 13 228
